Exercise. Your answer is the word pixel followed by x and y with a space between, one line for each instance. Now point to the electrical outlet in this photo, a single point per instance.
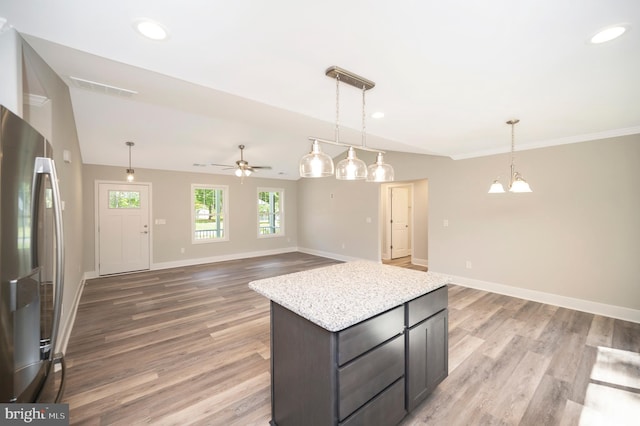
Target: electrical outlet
pixel 468 264
pixel 445 223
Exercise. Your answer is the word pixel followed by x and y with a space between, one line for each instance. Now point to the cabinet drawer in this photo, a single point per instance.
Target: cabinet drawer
pixel 358 339
pixel 423 307
pixel 361 337
pixel 368 375
pixel 385 409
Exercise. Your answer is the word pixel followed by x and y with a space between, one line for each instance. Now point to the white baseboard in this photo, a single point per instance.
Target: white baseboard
pixel 619 312
pixel 222 258
pixel 65 330
pixel 420 262
pixel 329 255
pixel 203 260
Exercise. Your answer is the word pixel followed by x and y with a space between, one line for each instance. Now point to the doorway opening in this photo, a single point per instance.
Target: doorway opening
pixel 404 221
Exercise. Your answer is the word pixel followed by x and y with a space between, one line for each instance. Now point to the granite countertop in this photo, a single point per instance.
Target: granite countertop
pixel 338 296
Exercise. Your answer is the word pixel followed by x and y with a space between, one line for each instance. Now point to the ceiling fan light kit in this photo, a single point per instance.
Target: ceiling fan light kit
pixel 516 181
pixel 318 164
pixel 242 168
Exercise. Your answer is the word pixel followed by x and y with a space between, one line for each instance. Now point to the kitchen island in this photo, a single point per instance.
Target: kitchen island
pixel 357 343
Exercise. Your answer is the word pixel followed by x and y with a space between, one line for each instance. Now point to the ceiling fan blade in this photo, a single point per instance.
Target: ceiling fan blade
pixel 223 165
pixel 261 167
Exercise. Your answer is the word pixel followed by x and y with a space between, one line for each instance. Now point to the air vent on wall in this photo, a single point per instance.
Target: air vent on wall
pixel 101 87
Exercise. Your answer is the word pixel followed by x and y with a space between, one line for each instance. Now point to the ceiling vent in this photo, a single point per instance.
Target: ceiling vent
pixel 101 87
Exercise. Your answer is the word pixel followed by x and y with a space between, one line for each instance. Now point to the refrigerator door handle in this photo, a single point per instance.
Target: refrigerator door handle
pixel 44 165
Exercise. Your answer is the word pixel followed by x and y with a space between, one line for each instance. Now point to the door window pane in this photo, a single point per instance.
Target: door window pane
pixel 124 199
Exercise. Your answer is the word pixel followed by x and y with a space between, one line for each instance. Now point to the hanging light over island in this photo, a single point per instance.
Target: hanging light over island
pixel 318 164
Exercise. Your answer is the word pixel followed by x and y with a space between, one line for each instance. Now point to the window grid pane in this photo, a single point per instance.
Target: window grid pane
pixel 269 218
pixel 209 214
pixel 124 199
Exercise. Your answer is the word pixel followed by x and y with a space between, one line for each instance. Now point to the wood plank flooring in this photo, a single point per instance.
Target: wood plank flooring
pixel 191 346
pixel 404 262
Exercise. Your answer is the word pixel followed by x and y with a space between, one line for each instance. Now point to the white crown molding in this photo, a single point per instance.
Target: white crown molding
pixel 551 142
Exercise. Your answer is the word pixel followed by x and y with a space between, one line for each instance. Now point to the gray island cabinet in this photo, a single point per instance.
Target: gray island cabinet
pixel 357 343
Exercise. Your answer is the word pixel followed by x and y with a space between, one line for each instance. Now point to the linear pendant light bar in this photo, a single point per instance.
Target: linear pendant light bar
pixel 346 145
pixel 350 78
pixel 318 164
pixel 359 82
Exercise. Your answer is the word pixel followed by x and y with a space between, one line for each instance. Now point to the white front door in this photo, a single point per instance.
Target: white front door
pixel 123 228
pixel 400 223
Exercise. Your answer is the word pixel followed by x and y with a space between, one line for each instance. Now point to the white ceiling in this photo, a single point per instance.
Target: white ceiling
pixel 448 75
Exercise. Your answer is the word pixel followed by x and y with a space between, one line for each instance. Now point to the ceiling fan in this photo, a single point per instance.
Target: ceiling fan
pixel 242 167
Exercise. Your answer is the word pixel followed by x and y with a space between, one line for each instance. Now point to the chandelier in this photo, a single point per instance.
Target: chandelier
pixel 318 164
pixel 516 181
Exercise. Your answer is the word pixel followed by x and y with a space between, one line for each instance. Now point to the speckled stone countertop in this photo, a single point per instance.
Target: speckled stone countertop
pixel 338 296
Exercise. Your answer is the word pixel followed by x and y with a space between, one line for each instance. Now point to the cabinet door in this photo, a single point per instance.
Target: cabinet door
pixel 428 357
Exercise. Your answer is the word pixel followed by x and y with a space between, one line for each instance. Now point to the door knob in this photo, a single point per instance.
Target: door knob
pixel 144 232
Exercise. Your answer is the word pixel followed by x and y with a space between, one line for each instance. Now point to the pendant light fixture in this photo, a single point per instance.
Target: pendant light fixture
pixel 378 171
pixel 319 164
pixel 316 163
pixel 352 168
pixel 516 181
pixel 130 171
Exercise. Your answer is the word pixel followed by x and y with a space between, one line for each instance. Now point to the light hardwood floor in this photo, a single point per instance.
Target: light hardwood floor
pixel 191 346
pixel 404 262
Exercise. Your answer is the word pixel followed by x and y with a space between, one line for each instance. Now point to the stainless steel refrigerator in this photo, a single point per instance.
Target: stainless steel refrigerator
pixel 31 264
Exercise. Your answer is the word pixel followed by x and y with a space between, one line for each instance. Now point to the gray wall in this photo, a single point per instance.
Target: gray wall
pixel 577 235
pixel 171 200
pixel 339 218
pixel 419 243
pixel 56 122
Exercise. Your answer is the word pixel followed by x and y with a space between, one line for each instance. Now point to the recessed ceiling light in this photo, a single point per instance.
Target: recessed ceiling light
pixel 150 29
pixel 609 33
pixel 377 114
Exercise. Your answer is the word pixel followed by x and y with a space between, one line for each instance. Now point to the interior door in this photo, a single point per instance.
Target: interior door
pixel 400 223
pixel 123 228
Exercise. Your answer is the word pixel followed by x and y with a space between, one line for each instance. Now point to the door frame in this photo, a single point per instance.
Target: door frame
pixel 386 251
pixel 96 219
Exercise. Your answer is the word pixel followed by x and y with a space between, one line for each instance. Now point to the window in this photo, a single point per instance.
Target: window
pixel 270 212
pixel 124 199
pixel 209 213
